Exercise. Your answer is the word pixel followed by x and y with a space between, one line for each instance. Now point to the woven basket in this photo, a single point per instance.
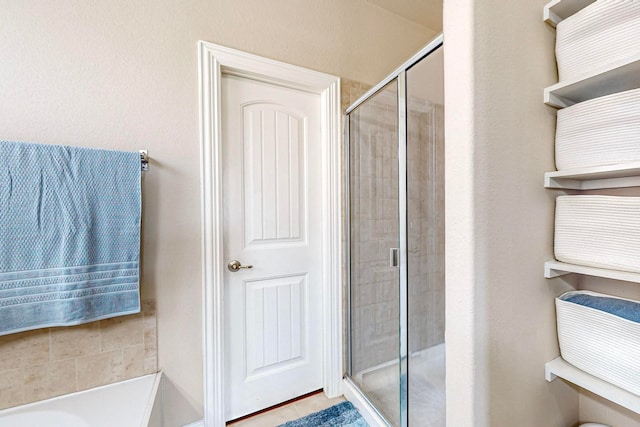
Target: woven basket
pixel 600 343
pixel 601 131
pixel 598 231
pixel 605 32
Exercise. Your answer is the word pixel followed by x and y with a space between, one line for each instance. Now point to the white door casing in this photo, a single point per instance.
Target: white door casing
pixel 214 61
pixel 272 207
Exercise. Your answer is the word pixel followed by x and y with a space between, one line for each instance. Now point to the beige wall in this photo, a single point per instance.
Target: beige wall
pixel 123 75
pixel 499 142
pixel 596 409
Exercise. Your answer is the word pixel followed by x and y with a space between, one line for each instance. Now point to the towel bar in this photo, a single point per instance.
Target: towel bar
pixel 144 160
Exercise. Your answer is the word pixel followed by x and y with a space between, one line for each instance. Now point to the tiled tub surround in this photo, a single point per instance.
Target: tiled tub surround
pixel 130 403
pixel 44 363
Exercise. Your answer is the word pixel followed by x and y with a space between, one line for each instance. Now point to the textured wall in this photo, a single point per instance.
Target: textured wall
pixel 124 75
pixel 499 142
pixel 594 408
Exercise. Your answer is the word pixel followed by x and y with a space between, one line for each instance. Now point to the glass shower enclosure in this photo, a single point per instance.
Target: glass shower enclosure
pixel 395 320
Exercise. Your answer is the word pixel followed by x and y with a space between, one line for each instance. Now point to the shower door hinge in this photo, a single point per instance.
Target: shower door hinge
pixel 394 257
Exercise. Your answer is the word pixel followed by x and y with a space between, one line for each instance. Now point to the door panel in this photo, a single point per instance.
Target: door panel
pixel 274 173
pixel 271 190
pixel 277 323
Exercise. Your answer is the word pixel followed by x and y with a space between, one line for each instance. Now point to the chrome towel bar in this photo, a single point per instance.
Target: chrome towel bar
pixel 144 160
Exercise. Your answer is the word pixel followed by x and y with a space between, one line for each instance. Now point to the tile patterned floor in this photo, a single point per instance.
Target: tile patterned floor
pixel 289 412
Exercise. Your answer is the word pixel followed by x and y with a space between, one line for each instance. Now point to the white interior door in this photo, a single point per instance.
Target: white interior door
pixel 272 221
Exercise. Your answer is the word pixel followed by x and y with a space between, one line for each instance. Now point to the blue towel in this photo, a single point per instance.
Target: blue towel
pixel 625 309
pixel 69 235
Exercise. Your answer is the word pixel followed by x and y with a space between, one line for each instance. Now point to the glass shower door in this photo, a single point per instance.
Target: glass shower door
pixel 425 241
pixel 396 355
pixel 374 329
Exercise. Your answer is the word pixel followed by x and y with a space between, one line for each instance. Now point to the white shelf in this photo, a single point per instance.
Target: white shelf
pixel 611 78
pixel 556 268
pixel 557 10
pixel 559 368
pixel 591 178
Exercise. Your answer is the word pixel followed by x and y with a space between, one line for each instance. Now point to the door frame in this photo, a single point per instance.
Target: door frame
pixel 215 60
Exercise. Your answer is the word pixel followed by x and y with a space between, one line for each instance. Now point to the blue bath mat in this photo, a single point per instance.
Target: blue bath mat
pixel 341 415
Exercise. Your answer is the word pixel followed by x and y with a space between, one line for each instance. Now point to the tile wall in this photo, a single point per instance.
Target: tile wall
pixel 425 223
pixel 374 229
pixel 44 363
pixel 350 92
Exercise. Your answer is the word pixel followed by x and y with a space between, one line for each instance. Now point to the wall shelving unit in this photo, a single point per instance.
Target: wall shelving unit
pixel 555 269
pixel 557 10
pixel 598 177
pixel 559 368
pixel 611 78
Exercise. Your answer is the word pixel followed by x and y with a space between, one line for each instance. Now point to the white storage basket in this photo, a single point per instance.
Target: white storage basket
pixel 601 131
pixel 605 32
pixel 598 231
pixel 601 341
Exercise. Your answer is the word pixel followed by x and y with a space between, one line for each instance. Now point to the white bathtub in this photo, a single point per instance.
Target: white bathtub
pixel 131 403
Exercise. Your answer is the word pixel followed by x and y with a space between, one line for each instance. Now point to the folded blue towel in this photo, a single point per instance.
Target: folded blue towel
pixel 625 309
pixel 69 235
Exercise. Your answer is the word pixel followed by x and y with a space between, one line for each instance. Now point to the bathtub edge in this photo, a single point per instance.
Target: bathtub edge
pixel 153 412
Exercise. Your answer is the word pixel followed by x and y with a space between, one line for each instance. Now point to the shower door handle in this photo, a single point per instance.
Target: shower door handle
pixel 394 257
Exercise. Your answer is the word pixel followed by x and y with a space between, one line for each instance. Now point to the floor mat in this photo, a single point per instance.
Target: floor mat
pixel 343 414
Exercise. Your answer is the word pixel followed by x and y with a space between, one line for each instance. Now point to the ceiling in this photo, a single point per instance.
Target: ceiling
pixel 427 13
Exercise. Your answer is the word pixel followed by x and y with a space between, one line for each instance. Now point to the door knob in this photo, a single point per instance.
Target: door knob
pixel 235 265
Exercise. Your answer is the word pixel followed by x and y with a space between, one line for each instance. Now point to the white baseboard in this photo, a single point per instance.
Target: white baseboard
pixel 196 424
pixel 368 413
